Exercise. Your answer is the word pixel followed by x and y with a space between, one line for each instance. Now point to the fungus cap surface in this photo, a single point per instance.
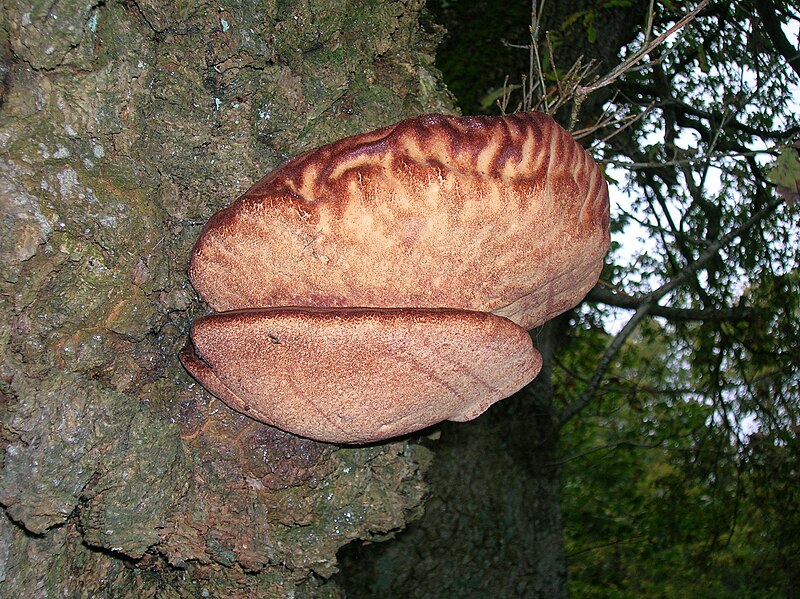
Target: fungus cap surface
pixel 497 214
pixel 359 375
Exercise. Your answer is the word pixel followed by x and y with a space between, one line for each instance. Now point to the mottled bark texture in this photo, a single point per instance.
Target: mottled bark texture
pixel 123 127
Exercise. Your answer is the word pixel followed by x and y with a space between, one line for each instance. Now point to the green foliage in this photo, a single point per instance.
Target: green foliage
pixel 681 469
pixel 481 70
pixel 658 500
pixel 785 173
pixel 586 19
pixel 681 475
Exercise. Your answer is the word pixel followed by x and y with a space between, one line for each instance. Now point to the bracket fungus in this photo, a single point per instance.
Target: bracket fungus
pixel 383 283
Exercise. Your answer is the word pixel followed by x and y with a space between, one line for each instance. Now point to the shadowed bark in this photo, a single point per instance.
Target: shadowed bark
pixel 492 527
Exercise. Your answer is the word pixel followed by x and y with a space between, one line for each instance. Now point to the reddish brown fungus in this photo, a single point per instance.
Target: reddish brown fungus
pixel 464 231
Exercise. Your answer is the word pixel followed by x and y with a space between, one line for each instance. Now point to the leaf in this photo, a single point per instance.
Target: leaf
pixel 702 60
pixel 785 174
pixel 488 100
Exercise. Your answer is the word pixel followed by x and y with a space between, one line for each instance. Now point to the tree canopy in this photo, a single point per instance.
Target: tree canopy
pixel 677 392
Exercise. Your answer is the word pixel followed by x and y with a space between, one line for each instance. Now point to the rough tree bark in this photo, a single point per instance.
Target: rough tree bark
pixel 124 125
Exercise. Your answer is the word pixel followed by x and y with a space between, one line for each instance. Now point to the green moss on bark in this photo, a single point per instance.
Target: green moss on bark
pixel 124 126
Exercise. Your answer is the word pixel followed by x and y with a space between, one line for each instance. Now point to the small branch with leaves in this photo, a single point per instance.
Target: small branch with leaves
pixel 648 304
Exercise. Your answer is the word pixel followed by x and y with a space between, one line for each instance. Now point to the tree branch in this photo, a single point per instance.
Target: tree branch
pixel 661 446
pixel 628 64
pixel 649 303
pixel 772 26
pixel 604 295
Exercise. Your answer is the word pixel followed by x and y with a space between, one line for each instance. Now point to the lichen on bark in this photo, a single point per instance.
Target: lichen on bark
pixel 123 127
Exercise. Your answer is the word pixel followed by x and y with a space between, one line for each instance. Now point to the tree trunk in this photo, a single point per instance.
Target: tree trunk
pixel 124 126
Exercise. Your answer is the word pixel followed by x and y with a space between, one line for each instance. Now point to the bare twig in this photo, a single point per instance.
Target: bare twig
pixel 535 52
pixel 637 445
pixel 603 295
pixel 685 161
pixel 570 87
pixel 616 123
pixel 650 301
pixel 630 62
